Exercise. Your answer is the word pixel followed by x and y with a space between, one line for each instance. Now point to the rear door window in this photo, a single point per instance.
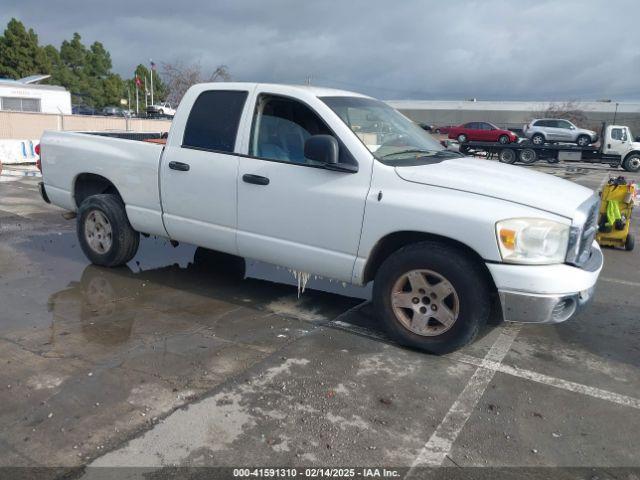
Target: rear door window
pixel 213 121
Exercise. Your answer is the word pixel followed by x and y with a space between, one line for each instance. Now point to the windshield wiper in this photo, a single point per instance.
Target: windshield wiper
pixel 409 150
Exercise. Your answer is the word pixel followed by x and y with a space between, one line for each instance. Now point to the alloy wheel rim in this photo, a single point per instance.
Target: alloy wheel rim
pixel 98 232
pixel 425 302
pixel 537 140
pixel 634 162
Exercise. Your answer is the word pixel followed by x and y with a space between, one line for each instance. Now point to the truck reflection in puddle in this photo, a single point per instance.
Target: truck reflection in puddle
pixel 199 289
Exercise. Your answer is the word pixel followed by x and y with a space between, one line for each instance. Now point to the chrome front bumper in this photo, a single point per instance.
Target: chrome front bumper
pixel 531 308
pixel 528 307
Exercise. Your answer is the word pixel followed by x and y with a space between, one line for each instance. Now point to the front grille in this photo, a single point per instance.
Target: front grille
pixel 583 232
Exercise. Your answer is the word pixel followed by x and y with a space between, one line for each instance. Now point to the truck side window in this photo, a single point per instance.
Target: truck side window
pixel 214 119
pixel 618 134
pixel 280 128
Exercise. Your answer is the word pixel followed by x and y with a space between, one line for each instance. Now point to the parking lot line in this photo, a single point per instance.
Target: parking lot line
pixel 621 282
pixel 439 444
pixel 594 392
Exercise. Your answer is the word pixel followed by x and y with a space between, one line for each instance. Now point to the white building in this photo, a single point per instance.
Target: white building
pixel 514 114
pixel 26 95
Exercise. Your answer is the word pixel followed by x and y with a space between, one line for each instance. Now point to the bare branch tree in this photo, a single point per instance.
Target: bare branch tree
pixel 180 76
pixel 571 110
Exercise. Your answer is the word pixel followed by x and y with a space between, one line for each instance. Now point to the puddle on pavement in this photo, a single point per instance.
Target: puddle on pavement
pixel 181 282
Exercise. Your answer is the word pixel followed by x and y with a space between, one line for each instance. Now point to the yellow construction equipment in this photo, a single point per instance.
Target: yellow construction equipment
pixel 616 205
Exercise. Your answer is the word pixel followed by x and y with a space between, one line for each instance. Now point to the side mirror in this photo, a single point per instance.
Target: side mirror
pixel 322 148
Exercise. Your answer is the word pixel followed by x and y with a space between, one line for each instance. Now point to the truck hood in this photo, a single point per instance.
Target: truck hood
pixel 506 182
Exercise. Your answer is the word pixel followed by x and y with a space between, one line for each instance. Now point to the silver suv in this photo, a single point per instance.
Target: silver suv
pixel 556 130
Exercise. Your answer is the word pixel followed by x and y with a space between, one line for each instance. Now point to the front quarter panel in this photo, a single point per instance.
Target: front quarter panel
pixel 412 207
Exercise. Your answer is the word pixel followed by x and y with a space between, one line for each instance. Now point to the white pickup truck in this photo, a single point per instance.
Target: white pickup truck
pixel 340 185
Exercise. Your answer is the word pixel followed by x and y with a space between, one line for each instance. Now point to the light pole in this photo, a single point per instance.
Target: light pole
pixel 153 67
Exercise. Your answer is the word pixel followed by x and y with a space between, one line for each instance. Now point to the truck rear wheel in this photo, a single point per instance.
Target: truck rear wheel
pixel 431 297
pixel 105 234
pixel 632 163
pixel 528 156
pixel 507 155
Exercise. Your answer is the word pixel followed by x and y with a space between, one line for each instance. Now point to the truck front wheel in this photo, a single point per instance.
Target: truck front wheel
pixel 432 297
pixel 105 234
pixel 632 163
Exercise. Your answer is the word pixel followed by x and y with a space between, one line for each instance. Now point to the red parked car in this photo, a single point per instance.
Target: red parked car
pixel 443 129
pixel 481 132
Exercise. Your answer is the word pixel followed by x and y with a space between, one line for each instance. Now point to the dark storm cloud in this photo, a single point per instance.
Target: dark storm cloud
pixel 490 49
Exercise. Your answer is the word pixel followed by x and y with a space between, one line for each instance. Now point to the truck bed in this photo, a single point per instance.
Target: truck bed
pixel 123 158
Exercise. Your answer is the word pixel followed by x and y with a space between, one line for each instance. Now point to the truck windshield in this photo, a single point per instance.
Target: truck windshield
pixel 390 136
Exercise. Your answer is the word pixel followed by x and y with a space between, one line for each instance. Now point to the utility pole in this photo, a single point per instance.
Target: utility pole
pixel 308 80
pixel 137 111
pixel 146 92
pixel 153 66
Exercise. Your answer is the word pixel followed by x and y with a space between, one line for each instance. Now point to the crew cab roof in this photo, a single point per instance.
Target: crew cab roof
pixel 302 89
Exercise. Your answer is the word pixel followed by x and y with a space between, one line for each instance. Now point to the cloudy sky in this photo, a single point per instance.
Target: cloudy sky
pixel 393 49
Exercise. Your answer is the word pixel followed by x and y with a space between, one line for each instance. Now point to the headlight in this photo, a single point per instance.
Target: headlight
pixel 532 240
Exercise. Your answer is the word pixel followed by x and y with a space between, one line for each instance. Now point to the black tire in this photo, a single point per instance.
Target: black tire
pixel 528 156
pixel 437 130
pixel 583 140
pixel 507 155
pixel 538 139
pixel 462 138
pixel 632 163
pixel 629 243
pixel 124 240
pixel 503 139
pixel 466 276
pixel 160 112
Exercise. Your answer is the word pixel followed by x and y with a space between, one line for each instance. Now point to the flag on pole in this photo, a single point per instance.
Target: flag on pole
pixel 153 67
pixel 138 82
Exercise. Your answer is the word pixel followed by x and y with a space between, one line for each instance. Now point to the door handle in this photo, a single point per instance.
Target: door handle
pixel 255 179
pixel 181 167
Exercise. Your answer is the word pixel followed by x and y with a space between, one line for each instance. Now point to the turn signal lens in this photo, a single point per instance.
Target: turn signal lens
pixel 508 238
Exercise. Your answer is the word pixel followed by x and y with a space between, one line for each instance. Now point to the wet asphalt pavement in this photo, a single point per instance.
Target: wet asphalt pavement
pixel 183 359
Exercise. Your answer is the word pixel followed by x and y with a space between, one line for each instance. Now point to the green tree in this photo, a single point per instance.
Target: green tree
pixel 20 53
pixel 86 72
